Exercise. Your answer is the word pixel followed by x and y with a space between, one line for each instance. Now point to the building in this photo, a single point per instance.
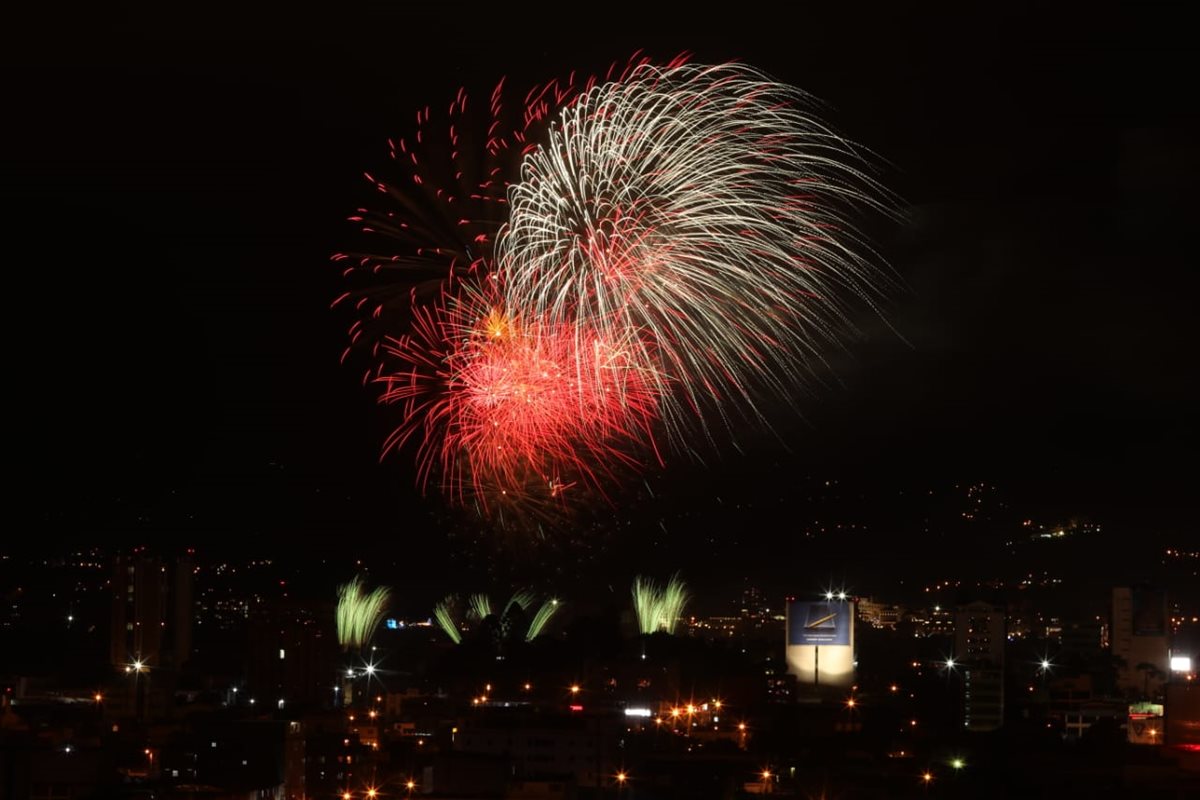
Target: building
pixel 1139 639
pixel 1083 637
pixel 820 642
pixel 575 752
pixel 151 621
pixel 880 615
pixel 979 633
pixel 292 654
pixel 979 640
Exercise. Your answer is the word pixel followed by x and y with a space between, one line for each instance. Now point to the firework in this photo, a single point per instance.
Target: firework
pixel 659 608
pixel 480 608
pixel 707 210
pixel 502 402
pixel 359 612
pixel 669 251
pixel 547 609
pixel 444 614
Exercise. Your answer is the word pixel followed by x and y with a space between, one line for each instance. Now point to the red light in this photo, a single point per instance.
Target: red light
pixel 575 708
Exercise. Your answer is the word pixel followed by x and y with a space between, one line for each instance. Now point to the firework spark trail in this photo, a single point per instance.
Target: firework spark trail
pixel 480 608
pixel 444 614
pixel 447 204
pixel 541 618
pixel 359 613
pixel 513 398
pixel 679 248
pixel 706 210
pixel 659 608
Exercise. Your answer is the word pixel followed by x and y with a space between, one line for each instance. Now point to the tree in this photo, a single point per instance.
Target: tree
pixel 1149 671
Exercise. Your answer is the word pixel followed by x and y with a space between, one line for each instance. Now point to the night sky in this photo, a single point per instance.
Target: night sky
pixel 174 185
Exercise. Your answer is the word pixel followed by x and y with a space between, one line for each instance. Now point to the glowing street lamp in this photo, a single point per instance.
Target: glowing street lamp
pixel 957 763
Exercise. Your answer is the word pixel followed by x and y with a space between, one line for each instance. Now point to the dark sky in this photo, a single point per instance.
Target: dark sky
pixel 174 185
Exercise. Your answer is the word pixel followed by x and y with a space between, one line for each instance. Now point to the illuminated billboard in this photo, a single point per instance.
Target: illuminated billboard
pixel 820 623
pixel 1145 724
pixel 820 642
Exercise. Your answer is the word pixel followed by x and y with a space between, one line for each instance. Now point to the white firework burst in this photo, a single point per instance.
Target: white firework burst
pixel 707 210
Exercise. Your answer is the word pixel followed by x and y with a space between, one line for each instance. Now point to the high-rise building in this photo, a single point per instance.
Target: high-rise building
pixel 979 633
pixel 1139 639
pixel 979 654
pixel 151 619
pixel 293 652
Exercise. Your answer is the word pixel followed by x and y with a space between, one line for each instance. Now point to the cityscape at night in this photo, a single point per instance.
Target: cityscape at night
pixel 508 403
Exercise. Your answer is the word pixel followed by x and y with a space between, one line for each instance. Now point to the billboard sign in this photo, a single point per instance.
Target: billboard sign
pixel 1145 725
pixel 823 622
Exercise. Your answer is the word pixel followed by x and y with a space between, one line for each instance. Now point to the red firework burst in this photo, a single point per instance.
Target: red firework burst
pixel 506 405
